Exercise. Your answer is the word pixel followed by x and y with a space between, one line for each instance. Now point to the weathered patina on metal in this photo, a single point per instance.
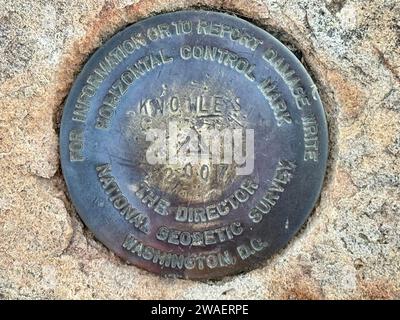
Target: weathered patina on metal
pixel 186 82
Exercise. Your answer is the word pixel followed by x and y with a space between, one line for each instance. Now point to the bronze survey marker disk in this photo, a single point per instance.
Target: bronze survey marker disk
pixel 210 86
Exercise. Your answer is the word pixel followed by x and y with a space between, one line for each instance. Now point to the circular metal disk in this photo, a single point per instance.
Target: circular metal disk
pixel 194 144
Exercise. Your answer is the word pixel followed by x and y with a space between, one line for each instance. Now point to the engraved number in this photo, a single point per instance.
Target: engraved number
pixel 204 172
pixel 169 175
pixel 222 171
pixel 188 170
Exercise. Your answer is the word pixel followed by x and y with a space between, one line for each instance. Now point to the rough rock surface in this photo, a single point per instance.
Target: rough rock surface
pixel 350 247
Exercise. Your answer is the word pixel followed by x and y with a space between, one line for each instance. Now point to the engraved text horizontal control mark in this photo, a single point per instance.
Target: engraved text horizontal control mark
pixel 134 72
